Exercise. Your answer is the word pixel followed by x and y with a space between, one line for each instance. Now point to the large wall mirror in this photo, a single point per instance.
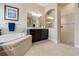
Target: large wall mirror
pixel 39 20
pixel 34 19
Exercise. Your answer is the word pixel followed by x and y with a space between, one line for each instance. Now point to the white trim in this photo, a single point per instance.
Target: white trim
pixel 76 45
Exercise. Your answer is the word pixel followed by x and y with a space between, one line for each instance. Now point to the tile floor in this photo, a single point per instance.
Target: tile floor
pixel 48 48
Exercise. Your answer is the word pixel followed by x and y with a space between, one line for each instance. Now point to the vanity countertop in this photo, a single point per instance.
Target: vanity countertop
pixel 36 28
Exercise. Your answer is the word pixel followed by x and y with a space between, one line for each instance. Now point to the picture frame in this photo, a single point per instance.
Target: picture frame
pixel 11 13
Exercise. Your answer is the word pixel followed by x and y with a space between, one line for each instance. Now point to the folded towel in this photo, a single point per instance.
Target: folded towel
pixel 11 26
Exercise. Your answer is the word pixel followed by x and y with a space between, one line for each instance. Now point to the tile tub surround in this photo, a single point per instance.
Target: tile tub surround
pixel 18 47
pixel 2 52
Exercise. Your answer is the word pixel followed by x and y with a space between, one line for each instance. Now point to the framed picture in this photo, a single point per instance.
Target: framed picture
pixel 11 13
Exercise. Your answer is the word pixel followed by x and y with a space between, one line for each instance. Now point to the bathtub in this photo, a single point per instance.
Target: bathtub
pixel 16 44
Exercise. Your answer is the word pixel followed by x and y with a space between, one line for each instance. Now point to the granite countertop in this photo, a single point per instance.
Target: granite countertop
pixel 36 28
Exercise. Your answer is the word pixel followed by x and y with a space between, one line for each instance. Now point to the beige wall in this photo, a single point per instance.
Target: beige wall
pixel 34 7
pixel 54 32
pixel 21 25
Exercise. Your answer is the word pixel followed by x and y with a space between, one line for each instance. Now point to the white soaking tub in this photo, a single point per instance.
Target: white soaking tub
pixel 15 44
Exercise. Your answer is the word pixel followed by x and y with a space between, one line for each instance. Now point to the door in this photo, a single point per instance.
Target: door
pixel 67 29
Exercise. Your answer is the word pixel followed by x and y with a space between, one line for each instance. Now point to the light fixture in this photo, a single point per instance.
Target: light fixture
pixel 50 17
pixel 35 14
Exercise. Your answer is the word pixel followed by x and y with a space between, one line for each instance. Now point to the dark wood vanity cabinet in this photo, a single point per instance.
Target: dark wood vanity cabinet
pixel 0 31
pixel 39 34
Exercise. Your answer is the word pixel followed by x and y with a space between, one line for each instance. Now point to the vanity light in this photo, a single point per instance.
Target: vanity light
pixel 35 14
pixel 50 17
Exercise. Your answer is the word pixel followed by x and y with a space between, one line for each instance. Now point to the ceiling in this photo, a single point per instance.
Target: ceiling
pixel 45 4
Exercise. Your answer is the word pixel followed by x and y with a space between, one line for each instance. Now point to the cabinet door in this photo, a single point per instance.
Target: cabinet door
pixel 44 34
pixel 35 35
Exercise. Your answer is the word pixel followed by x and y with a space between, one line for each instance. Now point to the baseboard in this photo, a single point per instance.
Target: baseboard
pixel 76 45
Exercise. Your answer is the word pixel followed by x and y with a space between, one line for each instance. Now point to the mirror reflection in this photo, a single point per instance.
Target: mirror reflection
pixel 38 20
pixel 49 18
pixel 33 19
